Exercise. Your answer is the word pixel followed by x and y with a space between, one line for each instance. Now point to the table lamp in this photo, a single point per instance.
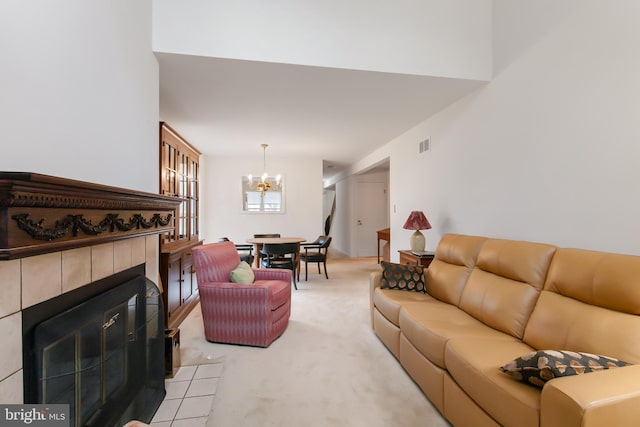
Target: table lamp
pixel 417 221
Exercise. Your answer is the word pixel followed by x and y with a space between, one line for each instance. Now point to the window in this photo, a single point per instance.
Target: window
pixel 254 200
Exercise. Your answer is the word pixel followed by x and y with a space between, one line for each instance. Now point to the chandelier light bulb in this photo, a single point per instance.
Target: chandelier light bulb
pixel 263 183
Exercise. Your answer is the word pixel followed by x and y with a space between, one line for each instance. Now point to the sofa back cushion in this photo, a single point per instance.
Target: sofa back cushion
pixel 506 282
pixel 590 303
pixel 449 271
pixel 214 262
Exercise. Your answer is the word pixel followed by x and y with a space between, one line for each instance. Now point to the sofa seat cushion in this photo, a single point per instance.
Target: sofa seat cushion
pixel 430 326
pixel 389 301
pixel 474 364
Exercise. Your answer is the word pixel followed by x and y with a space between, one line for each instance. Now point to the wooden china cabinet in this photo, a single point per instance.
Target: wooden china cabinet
pixel 179 171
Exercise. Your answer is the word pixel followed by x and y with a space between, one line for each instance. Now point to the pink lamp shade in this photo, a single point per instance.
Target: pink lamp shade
pixel 417 221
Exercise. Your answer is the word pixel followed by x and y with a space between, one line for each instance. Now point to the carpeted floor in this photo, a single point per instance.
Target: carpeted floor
pixel 327 369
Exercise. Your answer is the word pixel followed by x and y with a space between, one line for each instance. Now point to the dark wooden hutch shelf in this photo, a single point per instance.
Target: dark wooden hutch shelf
pixel 179 173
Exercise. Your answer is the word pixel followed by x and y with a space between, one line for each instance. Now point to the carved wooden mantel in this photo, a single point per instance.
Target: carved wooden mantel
pixel 41 213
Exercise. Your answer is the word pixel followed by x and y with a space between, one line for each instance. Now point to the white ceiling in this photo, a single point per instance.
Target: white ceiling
pixel 228 107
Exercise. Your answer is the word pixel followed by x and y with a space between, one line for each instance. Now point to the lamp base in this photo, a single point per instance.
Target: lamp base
pixel 417 241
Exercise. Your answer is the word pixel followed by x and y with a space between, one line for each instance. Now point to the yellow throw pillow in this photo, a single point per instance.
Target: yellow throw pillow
pixel 242 274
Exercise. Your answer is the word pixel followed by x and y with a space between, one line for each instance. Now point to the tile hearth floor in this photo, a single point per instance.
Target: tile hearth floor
pixel 189 396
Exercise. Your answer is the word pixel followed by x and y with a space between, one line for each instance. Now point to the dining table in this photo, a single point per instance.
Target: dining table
pixel 258 242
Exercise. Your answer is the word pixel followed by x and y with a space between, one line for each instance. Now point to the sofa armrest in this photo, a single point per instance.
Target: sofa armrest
pixel 606 398
pixel 374 282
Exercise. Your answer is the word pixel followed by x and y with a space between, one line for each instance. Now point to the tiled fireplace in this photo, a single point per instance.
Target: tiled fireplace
pixel 57 236
pixel 28 281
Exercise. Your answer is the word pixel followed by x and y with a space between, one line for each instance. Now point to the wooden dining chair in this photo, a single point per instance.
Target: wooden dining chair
pixel 260 236
pixel 315 251
pixel 281 255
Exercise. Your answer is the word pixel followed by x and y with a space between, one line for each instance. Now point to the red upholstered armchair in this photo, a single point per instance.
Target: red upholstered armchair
pixel 250 314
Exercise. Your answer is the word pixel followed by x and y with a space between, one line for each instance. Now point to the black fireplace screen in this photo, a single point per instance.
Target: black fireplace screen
pixel 104 357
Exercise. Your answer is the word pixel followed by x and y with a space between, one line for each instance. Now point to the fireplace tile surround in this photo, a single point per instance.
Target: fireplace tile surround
pixel 58 235
pixel 29 281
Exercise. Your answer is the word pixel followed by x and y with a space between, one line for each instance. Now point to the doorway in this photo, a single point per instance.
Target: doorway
pixel 371 216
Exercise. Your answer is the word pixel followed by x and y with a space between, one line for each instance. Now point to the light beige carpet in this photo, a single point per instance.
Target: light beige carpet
pixel 327 369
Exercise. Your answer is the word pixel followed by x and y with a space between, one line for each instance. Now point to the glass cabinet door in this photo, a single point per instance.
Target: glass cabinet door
pixel 179 178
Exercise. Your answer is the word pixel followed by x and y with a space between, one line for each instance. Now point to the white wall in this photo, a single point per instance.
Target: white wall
pixel 549 150
pixel 79 87
pixel 431 37
pixel 342 221
pixel 222 198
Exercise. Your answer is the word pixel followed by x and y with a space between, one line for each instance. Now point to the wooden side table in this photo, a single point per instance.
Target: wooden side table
pixel 408 257
pixel 384 234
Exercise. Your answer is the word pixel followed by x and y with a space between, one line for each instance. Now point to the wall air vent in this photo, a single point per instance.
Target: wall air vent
pixel 424 145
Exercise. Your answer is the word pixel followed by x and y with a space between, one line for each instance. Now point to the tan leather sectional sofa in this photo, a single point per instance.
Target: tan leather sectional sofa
pixel 490 301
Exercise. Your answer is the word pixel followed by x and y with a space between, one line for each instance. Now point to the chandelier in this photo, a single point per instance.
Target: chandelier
pixel 265 183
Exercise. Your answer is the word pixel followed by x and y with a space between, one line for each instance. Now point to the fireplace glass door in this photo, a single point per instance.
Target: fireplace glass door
pixel 93 356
